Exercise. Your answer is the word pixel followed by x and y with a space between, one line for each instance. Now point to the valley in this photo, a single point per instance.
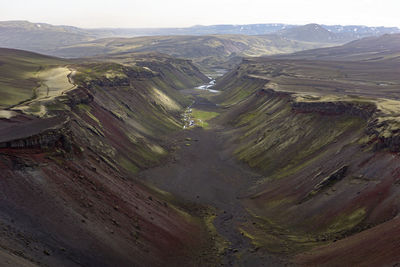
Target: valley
pixel 202 151
pixel 199 172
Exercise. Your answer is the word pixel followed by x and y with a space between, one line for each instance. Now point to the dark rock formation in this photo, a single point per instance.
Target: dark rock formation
pixel 272 93
pixel 327 182
pixel 34 133
pixel 362 110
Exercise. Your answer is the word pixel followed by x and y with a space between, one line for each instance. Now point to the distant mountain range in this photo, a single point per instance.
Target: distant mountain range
pixel 197 42
pixel 354 31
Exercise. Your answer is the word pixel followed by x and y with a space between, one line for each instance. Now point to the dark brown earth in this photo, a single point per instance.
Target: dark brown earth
pixel 205 173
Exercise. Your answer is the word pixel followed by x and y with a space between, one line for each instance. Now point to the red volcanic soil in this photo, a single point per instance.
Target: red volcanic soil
pixel 378 246
pixel 64 204
pixel 81 212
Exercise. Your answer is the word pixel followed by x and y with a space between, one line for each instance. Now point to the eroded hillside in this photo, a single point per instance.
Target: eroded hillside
pixel 325 137
pixel 69 192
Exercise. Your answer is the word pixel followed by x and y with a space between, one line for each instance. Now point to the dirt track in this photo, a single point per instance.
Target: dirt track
pixel 204 173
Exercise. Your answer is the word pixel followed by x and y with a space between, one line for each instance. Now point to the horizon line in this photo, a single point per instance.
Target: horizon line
pixel 200 25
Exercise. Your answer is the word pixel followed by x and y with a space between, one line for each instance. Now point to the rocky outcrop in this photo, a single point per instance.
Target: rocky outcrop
pixel 182 68
pixel 37 134
pixel 108 82
pixel 392 143
pixel 31 131
pixel 43 140
pixel 140 74
pixel 362 110
pixel 272 93
pixel 79 96
pixel 327 182
pixel 383 138
pixel 383 135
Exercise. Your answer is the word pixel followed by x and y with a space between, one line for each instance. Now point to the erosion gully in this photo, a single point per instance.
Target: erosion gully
pixel 206 173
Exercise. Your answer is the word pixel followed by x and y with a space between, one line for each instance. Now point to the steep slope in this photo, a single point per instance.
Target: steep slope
pixel 329 158
pixel 372 247
pixel 70 194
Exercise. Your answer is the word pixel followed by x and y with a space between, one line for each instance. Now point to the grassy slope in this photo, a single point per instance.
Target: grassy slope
pixel 19 74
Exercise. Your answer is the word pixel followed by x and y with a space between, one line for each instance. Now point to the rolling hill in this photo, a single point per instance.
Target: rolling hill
pixel 382 48
pixel 39 37
pixel 210 46
pixel 213 51
pixel 20 74
pixel 314 33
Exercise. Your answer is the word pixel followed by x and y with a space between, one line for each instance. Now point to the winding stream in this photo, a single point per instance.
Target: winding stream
pixel 212 76
pixel 208 86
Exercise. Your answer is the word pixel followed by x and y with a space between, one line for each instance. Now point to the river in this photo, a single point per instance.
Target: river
pixel 212 76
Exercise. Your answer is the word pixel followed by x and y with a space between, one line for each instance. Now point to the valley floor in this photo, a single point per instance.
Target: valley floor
pixel 201 171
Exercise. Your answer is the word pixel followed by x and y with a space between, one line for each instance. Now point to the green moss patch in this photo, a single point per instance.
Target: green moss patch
pixel 201 117
pixel 128 165
pixel 346 222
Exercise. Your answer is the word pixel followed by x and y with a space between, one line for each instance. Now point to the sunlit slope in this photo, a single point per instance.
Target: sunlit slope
pixel 22 73
pixel 29 82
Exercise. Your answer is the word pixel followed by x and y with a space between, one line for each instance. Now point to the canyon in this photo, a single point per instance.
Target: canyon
pixel 290 160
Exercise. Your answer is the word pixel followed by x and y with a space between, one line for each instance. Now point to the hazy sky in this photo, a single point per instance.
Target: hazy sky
pixel 177 13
